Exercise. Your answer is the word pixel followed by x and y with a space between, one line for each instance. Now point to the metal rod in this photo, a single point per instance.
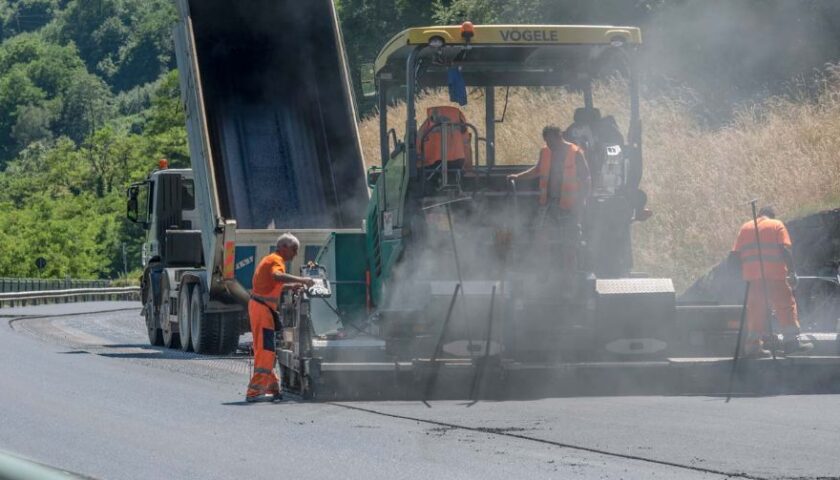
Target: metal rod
pixel 454 245
pixel 446 203
pixel 479 373
pixel 384 146
pixel 769 313
pixel 430 383
pixel 489 128
pixel 738 342
pixel 458 270
pixel 515 202
pixel 834 280
pixel 411 121
pixel 445 131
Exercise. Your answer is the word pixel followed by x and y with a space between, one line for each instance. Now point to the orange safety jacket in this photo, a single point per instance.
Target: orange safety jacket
pixel 774 238
pixel 264 283
pixel 458 145
pixel 569 191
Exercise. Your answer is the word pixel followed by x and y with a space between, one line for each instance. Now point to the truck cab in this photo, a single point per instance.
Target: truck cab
pixel 164 205
pixel 164 201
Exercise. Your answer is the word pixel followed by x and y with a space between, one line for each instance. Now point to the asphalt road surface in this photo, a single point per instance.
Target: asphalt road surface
pixel 81 390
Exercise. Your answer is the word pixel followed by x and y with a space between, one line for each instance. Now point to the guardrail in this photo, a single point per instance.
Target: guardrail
pixel 13 284
pixel 21 299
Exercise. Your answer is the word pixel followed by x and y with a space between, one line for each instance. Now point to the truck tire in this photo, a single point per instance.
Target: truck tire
pixel 152 321
pixel 204 328
pixel 229 333
pixel 171 339
pixel 184 304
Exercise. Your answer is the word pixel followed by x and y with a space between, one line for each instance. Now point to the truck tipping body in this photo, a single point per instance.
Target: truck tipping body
pixel 270 117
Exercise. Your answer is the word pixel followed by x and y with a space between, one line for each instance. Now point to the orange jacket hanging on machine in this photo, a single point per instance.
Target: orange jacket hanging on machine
pixel 430 139
pixel 570 187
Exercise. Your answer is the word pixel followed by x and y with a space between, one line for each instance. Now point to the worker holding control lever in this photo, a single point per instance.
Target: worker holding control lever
pixel 270 280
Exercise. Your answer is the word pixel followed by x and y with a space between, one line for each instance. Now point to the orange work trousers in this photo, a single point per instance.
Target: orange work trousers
pixel 264 380
pixel 781 301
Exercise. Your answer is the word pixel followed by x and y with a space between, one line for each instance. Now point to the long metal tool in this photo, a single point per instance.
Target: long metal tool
pixel 430 383
pixel 479 372
pixel 458 271
pixel 515 203
pixel 834 280
pixel 454 244
pixel 738 342
pixel 770 313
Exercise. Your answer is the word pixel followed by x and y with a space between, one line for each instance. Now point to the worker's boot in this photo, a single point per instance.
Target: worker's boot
pixel 797 345
pixel 259 398
pixel 277 397
pixel 773 343
pixel 755 350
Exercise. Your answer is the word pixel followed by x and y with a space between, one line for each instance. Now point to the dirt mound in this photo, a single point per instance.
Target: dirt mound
pixel 816 250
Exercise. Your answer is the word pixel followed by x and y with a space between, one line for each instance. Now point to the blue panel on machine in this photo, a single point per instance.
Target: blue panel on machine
pixel 246 262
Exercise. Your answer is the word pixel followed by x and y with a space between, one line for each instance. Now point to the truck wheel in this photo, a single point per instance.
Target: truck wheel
pixel 171 339
pixel 204 328
pixel 308 388
pixel 228 333
pixel 184 304
pixel 152 321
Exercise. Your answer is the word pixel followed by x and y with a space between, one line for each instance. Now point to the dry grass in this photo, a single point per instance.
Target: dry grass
pixel 699 180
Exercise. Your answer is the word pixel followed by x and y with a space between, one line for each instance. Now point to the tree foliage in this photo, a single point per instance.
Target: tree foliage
pixel 89 101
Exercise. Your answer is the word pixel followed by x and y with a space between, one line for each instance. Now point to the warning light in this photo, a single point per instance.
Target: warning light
pixel 467 30
pixel 163 164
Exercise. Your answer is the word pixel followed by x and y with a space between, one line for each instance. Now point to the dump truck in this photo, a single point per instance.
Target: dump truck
pixel 461 292
pixel 274 147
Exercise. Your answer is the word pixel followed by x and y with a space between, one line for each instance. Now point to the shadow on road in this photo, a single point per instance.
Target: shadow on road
pixel 160 353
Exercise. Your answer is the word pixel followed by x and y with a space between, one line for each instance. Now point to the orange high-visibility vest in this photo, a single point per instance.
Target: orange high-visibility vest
pixel 774 238
pixel 570 186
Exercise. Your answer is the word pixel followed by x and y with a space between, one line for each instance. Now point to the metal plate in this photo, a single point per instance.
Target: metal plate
pixel 625 286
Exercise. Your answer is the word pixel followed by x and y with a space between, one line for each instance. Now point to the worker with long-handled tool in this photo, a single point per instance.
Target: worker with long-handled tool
pixel 270 279
pixel 564 186
pixel 764 250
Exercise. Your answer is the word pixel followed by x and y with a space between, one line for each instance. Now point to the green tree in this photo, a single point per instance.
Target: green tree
pixel 16 90
pixel 127 42
pixel 18 16
pixel 87 105
pixel 32 124
pixel 164 128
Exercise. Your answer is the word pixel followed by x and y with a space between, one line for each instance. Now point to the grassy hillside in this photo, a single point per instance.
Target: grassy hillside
pixel 699 180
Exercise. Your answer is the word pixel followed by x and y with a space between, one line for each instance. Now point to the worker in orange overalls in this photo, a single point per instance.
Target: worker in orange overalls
pixel 564 186
pixel 779 274
pixel 270 280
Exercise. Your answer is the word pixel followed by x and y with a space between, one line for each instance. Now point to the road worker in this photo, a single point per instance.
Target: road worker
pixel 779 275
pixel 270 280
pixel 564 186
pixel 563 173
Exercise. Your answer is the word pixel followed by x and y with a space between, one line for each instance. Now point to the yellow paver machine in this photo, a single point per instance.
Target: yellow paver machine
pixel 474 287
